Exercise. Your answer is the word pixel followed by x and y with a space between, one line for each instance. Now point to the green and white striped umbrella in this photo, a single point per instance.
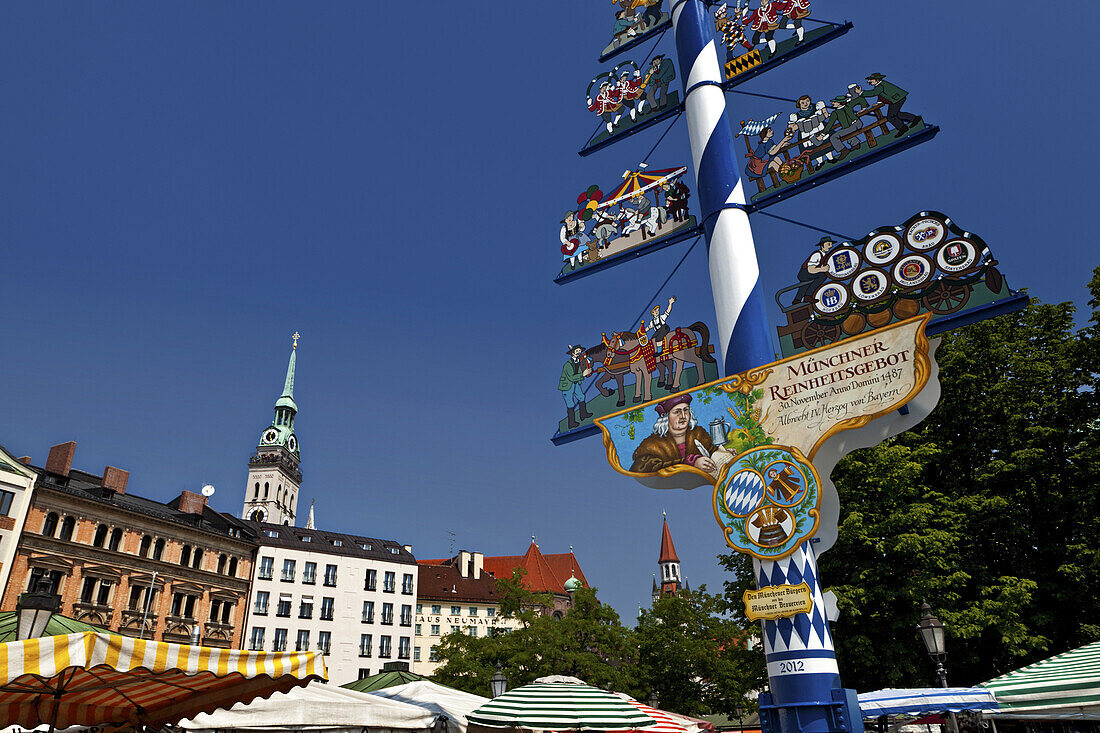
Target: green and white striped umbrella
pixel 1067 683
pixel 560 706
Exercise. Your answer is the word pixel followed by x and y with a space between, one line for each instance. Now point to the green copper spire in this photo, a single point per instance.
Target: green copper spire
pixel 281 431
pixel 287 398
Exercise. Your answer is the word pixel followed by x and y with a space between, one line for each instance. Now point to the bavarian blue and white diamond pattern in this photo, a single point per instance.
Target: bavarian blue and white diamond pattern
pixel 803 631
pixel 744 492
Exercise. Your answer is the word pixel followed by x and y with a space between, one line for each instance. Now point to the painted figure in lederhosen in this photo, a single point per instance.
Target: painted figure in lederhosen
pixel 575 371
pixel 893 97
pixel 795 11
pixel 809 119
pixel 732 28
pixel 607 104
pixel 763 21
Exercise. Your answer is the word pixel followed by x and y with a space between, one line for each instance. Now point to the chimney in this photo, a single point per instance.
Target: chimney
pixel 191 503
pixel 61 458
pixel 465 564
pixel 479 564
pixel 25 460
pixel 115 478
pixel 408 548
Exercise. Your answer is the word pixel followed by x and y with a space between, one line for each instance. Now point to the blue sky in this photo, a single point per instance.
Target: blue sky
pixel 186 184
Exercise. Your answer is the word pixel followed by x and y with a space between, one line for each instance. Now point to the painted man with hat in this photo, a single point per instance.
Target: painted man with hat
pixel 815 270
pixel 677 439
pixel 844 117
pixel 893 97
pixel 572 374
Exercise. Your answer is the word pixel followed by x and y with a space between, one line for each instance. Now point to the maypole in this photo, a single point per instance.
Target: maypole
pixel 805 690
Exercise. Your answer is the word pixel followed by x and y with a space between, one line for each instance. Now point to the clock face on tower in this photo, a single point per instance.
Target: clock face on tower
pixel 259 514
pixel 270 436
pixel 292 443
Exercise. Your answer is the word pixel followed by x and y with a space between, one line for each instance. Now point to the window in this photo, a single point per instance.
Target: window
pixel 406 615
pixel 435 629
pixel 6 498
pixel 273 533
pixel 395 550
pixel 384 647
pixel 100 538
pixel 403 647
pixel 326 608
pixel 232 567
pixel 185 555
pixel 324 641
pixel 418 630
pixel 301 644
pixel 283 609
pixel 330 576
pixel 416 654
pixel 222 560
pixel 337 543
pixel 455 629
pixel 388 582
pixel 280 640
pixel 288 571
pixel 490 612
pixel 256 491
pixel 371 580
pixel 433 654
pixel 49 526
pixel 51 579
pixel 306 609
pixel 364 645
pixel 309 573
pixel 364 546
pixel 95 591
pixel 387 613
pixel 456 610
pixel 116 539
pixel 420 608
pixel 262 597
pixel 407 584
pixel 146 544
pixel 364 673
pixel 196 560
pixel 368 612
pixel 183 605
pixel 267 486
pixel 256 642
pixel 158 549
pixel 67 527
pixel 221 611
pixel 437 609
pixel 135 598
pixel 473 610
pixel 306 538
pixel 227 612
pixel 267 568
pixel 471 630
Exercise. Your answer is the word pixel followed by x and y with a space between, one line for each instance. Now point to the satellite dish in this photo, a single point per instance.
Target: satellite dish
pixel 208 490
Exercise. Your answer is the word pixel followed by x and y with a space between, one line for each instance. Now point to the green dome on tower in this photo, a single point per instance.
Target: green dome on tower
pixel 573 584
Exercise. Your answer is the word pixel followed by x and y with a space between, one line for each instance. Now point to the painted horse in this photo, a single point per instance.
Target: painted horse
pixel 626 352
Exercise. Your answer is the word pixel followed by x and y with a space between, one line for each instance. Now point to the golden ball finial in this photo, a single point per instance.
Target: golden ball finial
pixel 296 337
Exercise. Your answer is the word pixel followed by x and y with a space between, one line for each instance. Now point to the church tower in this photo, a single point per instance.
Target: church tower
pixel 271 494
pixel 669 565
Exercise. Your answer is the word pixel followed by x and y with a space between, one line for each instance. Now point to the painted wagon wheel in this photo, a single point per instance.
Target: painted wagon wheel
pixel 817 333
pixel 946 297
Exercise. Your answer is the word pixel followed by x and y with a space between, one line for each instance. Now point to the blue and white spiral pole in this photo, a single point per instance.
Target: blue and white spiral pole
pixel 805 694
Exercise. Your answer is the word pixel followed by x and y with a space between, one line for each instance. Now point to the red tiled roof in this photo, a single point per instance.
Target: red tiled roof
pixel 545 573
pixel 668 551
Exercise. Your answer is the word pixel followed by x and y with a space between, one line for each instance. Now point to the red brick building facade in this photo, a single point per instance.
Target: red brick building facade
pixel 171 572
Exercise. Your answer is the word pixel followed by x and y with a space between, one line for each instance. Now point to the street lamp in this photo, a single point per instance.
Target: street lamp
pixel 34 610
pixel 652 700
pixel 935 641
pixel 498 683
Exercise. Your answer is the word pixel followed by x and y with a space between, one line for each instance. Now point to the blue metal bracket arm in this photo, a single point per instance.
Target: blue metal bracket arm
pixel 638 127
pixel 808 45
pixel 628 255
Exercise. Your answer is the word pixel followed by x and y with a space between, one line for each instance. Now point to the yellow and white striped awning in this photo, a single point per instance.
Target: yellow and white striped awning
pixel 95 678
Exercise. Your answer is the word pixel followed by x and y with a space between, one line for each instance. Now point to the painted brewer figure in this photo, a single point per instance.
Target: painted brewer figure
pixel 661 74
pixel 572 374
pixel 815 271
pixel 893 97
pixel 675 440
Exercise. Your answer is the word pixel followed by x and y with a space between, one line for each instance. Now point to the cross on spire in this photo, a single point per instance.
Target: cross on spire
pixel 296 337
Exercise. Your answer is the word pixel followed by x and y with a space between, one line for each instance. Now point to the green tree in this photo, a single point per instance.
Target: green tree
pixel 985 510
pixel 589 642
pixel 694 657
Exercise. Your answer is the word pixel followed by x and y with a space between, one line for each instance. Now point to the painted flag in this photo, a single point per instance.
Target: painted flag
pixel 753 128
